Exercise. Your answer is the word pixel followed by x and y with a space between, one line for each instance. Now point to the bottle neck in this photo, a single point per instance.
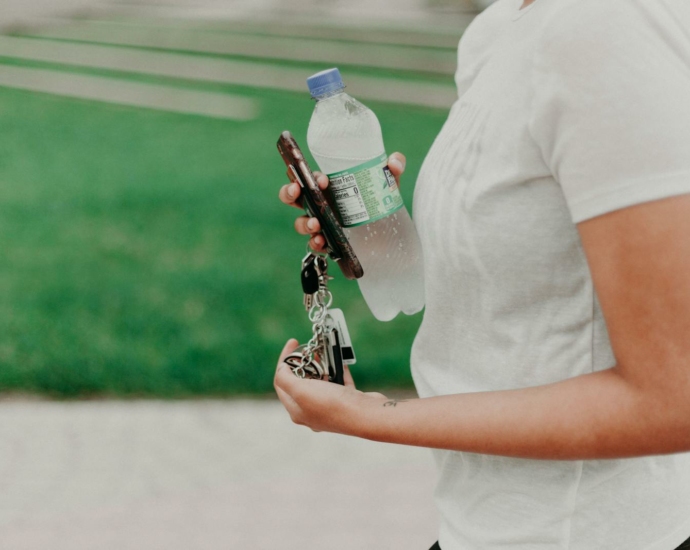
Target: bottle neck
pixel 330 94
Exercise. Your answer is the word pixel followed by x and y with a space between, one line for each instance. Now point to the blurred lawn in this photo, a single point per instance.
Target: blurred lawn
pixel 146 254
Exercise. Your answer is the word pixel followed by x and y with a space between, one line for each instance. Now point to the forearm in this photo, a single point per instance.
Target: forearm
pixel 599 415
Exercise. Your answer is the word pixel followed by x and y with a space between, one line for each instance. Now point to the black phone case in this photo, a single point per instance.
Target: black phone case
pixel 316 205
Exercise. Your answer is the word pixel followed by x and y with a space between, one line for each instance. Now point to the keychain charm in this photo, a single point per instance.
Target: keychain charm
pixel 330 348
pixel 304 366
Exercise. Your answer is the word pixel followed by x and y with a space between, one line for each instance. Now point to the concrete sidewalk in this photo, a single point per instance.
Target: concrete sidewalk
pixel 202 475
pixel 442 14
pixel 27 12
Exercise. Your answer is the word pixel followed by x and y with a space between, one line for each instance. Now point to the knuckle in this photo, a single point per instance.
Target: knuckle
pixel 301 225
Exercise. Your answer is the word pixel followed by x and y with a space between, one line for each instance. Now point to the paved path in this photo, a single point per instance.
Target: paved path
pixel 230 71
pixel 154 44
pixel 205 475
pixel 19 13
pixel 121 92
pixel 412 13
pixel 203 41
pixel 358 12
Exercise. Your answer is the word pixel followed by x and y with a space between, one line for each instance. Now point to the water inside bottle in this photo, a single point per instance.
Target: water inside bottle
pixel 342 134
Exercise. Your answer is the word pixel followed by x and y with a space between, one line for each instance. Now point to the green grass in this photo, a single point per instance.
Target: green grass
pixel 315 66
pixel 146 254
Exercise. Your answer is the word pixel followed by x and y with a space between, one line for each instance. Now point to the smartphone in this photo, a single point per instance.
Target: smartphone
pixel 315 204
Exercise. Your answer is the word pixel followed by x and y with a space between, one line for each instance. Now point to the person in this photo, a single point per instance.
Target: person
pixel 553 359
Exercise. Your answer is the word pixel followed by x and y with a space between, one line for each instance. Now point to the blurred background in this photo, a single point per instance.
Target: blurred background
pixel 149 275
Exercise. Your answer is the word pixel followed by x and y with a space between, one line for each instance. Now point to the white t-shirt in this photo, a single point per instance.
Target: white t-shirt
pixel 567 109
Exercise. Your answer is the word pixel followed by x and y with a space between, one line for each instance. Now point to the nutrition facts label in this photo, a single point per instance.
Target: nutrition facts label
pixel 365 193
pixel 349 199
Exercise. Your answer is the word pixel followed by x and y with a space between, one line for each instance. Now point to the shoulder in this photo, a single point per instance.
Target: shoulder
pixel 614 42
pixel 479 39
pixel 494 14
pixel 487 27
pixel 604 27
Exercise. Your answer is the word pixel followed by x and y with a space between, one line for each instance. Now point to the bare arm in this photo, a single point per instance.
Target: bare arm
pixel 640 263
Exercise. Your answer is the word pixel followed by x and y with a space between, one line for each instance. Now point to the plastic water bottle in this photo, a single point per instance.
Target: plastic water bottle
pixel 345 139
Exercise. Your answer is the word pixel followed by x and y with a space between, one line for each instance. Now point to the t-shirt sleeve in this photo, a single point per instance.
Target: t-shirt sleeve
pixel 611 103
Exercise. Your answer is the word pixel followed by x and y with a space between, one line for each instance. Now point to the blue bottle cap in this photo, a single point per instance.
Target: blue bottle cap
pixel 325 82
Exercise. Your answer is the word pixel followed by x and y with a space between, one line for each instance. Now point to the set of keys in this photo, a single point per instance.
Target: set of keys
pixel 330 348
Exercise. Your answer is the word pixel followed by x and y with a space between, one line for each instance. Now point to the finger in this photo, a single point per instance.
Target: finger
pixel 290 405
pixel 288 402
pixel 318 243
pixel 321 179
pixel 289 194
pixel 304 225
pixel 396 164
pixel 347 377
pixel 285 380
pixel 288 348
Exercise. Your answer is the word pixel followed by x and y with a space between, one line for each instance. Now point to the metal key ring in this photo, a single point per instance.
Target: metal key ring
pixel 319 310
pixel 310 251
pixel 319 298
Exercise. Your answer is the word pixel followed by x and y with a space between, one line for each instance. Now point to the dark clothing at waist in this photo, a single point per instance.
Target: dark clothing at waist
pixel 684 546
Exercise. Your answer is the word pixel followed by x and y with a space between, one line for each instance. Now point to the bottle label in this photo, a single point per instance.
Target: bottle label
pixel 365 193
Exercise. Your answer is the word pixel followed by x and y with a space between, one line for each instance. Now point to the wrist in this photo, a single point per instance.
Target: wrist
pixel 375 416
pixel 358 414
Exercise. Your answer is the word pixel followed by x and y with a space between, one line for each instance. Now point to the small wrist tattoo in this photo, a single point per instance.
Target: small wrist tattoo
pixel 394 402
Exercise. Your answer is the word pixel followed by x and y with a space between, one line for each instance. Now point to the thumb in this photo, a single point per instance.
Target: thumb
pixel 287 350
pixel 289 347
pixel 396 164
pixel 347 376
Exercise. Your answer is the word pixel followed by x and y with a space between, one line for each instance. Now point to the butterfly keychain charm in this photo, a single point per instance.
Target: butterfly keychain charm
pixel 323 357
